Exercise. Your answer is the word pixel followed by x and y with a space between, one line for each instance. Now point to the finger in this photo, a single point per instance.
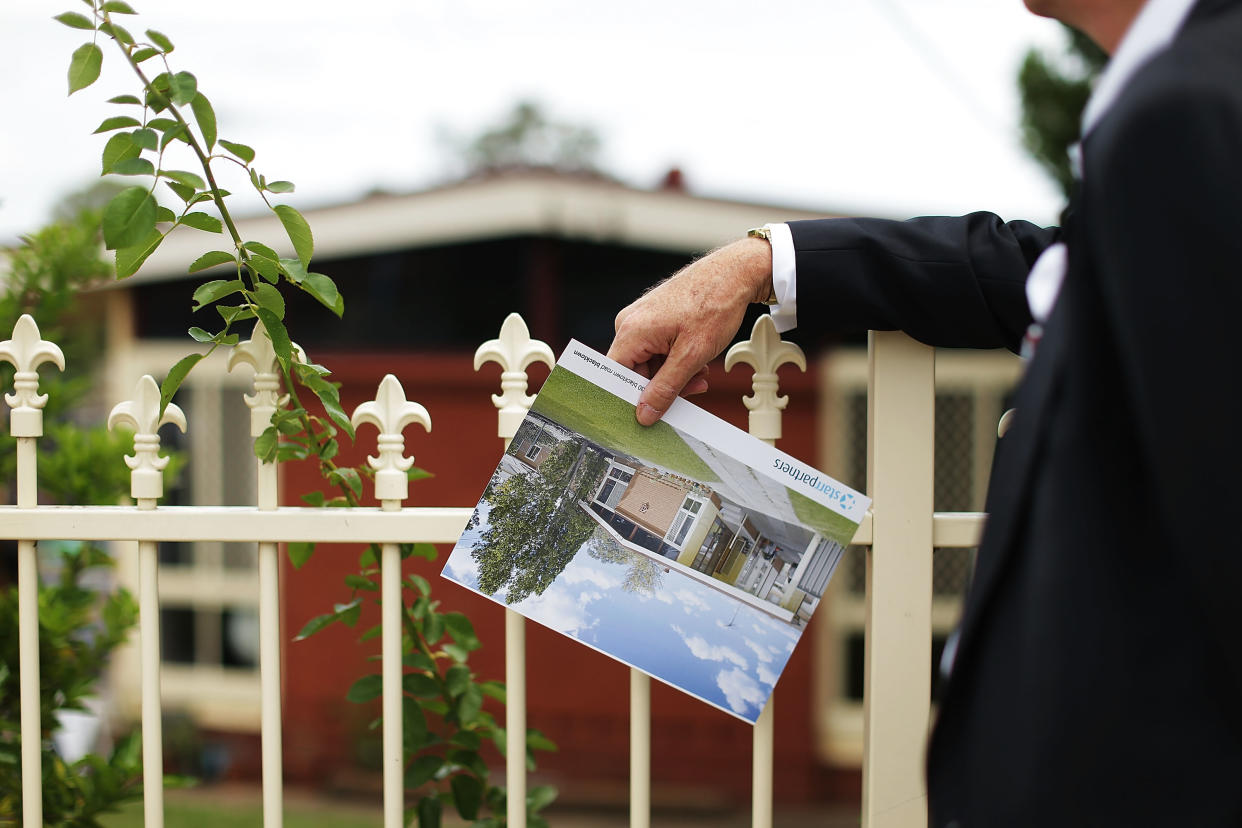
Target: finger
pixel 697 384
pixel 677 370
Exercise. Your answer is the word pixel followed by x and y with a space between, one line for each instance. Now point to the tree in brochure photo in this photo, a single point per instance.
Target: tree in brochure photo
pixel 688 550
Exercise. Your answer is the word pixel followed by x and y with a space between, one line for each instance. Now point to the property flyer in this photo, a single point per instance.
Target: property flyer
pixel 688 550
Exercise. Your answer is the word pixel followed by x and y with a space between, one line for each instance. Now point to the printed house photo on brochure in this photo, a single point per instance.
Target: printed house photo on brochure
pixel 688 550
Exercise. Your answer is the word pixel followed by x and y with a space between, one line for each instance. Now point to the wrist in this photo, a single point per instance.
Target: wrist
pixel 758 266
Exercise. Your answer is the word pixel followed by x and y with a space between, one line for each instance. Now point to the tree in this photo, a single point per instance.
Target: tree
pixel 528 137
pixel 1054 90
pixel 644 575
pixel 535 526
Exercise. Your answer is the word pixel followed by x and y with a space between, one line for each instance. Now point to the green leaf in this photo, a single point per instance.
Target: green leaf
pixel 183 192
pixel 469 705
pixel 124 99
pixel 280 187
pixel 118 7
pixel 206 118
pixel 359 582
pixel 426 551
pixel 209 292
pixel 299 554
pixel 129 218
pixel 494 690
pixel 145 138
pixel 160 40
pixel 457 679
pixel 462 631
pixel 420 685
pixel 540 797
pixel 294 269
pixel 145 53
pixel 200 335
pixel 133 166
pixel 202 221
pixel 420 583
pixel 129 259
pixel 175 133
pixel 265 444
pixel 365 689
pixel 189 179
pixel 176 375
pixel 324 289
pixel 75 21
pixel 260 248
pixel 346 477
pixel 84 66
pixel 215 257
pixel 163 124
pixel 430 811
pixel 277 333
pixel 242 151
pixel 331 399
pixel 299 231
pixel 117 122
pixel 117 31
pixel 183 87
pixel 313 498
pixel 467 794
pixel 164 215
pixel 119 147
pixel 349 612
pixel 421 771
pixel 319 621
pixel 535 740
pixel 235 314
pixel 270 298
pixel 265 267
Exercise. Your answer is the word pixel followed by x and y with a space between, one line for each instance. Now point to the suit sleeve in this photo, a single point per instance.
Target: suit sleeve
pixel 946 281
pixel 1169 251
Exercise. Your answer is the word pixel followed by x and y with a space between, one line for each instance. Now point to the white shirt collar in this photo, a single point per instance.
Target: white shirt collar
pixel 1152 30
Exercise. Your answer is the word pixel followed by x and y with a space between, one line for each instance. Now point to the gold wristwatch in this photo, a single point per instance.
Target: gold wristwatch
pixel 764 233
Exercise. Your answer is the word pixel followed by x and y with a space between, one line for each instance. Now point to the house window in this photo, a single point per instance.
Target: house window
pixel 971 393
pixel 681 524
pixel 614 487
pixel 208 590
pixel 533 452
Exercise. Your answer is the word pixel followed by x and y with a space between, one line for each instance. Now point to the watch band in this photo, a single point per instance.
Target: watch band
pixel 764 233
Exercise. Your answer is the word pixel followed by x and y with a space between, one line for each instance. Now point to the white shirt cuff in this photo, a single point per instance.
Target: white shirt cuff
pixel 784 282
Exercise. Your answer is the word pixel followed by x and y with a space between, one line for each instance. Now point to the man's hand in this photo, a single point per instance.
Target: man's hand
pixel 671 332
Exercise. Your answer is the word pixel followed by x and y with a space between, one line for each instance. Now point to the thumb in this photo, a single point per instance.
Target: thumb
pixel 664 387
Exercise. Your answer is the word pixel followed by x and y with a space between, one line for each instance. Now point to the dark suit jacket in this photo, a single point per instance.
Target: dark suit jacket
pixel 1098 679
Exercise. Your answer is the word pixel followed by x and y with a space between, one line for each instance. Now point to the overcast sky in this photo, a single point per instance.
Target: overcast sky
pixel 889 107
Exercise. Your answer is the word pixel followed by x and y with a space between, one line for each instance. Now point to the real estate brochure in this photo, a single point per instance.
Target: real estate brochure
pixel 688 550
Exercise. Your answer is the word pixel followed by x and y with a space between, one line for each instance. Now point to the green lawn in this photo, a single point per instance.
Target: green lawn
pixel 822 519
pixel 609 421
pixel 242 808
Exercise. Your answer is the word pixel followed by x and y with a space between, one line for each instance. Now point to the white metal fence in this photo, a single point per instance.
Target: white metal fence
pixel 900 532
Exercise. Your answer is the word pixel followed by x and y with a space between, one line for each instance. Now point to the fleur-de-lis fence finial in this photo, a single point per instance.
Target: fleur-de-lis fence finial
pixel 514 350
pixel 27 350
pixel 258 353
pixel 142 413
pixel 765 352
pixel 391 412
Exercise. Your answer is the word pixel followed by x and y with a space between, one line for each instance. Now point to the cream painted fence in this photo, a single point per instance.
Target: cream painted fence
pixel 900 532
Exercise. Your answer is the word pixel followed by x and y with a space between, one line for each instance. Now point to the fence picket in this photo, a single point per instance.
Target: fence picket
pixel 765 352
pixel 390 412
pixel 259 353
pixel 142 413
pixel 26 351
pixel 514 350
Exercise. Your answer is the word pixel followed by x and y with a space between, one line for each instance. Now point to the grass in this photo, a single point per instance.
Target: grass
pixel 609 421
pixel 822 519
pixel 243 808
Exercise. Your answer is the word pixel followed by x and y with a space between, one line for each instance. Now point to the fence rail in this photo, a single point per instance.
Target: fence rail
pixel 900 534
